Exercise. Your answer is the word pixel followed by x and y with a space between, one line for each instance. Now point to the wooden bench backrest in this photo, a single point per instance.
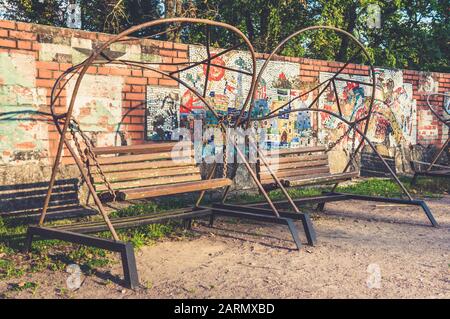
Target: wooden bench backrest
pixel 134 166
pixel 304 161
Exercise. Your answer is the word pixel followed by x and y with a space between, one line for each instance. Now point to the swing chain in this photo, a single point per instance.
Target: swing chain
pixel 75 127
pixel 332 145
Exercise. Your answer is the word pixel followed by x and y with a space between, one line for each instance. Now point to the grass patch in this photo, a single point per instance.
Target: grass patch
pixel 56 255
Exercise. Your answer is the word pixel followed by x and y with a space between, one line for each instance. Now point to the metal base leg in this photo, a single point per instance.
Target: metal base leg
pixel 309 230
pixel 255 211
pixel 245 213
pixel 211 220
pixel 320 207
pixel 414 180
pixel 129 266
pixel 187 223
pixel 429 214
pixel 125 249
pixel 294 233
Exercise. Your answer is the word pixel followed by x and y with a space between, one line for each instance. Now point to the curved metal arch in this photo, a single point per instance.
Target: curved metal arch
pixel 82 68
pixel 432 109
pixel 297 33
pixel 368 114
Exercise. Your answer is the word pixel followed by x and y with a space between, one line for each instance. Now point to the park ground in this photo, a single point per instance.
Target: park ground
pixel 240 259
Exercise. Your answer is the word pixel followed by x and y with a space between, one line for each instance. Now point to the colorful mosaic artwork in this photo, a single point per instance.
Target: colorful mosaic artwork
pixel 226 91
pixel 353 102
pixel 163 113
pixel 279 90
pixel 395 113
pixel 394 118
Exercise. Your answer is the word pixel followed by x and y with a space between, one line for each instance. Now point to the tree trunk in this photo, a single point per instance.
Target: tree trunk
pixel 350 23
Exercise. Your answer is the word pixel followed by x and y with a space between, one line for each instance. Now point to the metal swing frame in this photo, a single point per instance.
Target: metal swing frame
pixel 78 236
pixel 433 169
pixel 334 196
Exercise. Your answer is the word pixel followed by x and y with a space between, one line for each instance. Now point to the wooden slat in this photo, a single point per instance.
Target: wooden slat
pixel 147 173
pixel 292 165
pixel 267 178
pixel 182 162
pixel 326 179
pixel 300 150
pixel 144 182
pixel 155 191
pixel 289 159
pixel 134 158
pixel 137 149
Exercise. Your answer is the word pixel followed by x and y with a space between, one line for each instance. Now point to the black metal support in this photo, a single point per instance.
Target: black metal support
pixel 414 180
pixel 125 249
pixel 187 223
pixel 320 207
pixel 240 213
pixel 303 217
pixel 294 232
pixel 334 197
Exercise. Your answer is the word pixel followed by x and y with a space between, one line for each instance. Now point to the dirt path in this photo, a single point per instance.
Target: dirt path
pixel 245 260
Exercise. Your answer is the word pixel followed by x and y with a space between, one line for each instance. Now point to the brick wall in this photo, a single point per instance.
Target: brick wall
pixel 33 56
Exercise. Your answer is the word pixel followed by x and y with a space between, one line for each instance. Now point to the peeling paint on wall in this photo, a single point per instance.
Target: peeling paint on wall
pixel 98 106
pixel 23 132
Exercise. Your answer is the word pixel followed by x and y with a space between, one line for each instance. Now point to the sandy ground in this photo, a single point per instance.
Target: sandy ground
pixel 254 260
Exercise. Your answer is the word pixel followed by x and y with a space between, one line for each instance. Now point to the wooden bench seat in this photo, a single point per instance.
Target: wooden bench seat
pixel 299 167
pixel 148 170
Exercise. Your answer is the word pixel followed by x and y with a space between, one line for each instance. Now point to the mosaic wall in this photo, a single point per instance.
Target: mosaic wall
pixel 123 105
pixel 394 116
pixel 280 90
pixel 162 114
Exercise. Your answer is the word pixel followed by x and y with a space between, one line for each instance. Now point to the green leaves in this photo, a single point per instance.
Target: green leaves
pixel 414 34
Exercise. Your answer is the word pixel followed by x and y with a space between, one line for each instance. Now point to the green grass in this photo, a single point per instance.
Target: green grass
pixel 56 255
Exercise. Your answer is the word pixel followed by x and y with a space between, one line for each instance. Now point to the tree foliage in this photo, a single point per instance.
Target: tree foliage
pixel 413 34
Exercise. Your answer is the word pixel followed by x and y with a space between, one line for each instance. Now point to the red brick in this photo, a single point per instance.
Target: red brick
pixel 103 70
pixel 92 70
pixel 135 96
pixel 137 120
pixel 167 82
pixel 135 80
pixel 168 45
pixel 135 127
pixel 168 53
pixel 137 88
pixel 36 46
pixel 152 74
pixel 7 24
pixel 47 65
pixel 7 43
pixel 168 68
pixel 136 72
pixel 152 81
pixel 182 54
pixel 3 33
pixel 64 66
pixel 45 74
pixel 45 83
pixel 180 46
pixel 120 71
pixel 24 26
pixel 22 35
pixel 25 45
pixel 180 60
